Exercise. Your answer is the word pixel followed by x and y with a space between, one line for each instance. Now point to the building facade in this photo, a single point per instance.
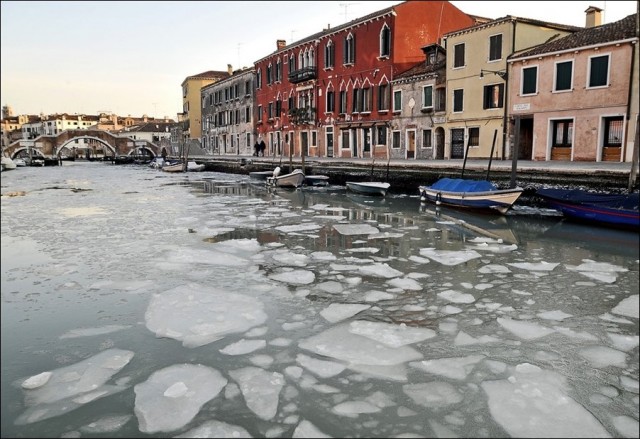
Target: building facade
pixel 191 125
pixel 572 99
pixel 329 95
pixel 228 114
pixel 477 83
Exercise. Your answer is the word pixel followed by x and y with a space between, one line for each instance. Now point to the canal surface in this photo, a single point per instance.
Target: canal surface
pixel 138 303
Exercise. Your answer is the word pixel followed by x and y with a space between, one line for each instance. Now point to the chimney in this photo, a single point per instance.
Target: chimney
pixel 229 69
pixel 281 44
pixel 594 16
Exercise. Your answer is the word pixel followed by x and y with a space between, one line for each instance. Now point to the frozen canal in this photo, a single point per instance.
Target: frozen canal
pixel 137 303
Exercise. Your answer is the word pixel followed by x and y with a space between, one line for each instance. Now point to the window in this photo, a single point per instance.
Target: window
pixel 397 100
pixel 278 71
pixel 314 138
pixel 458 55
pixel 331 102
pixel 458 100
pixel 441 99
pixel 270 110
pixel 247 115
pixel 426 138
pixel 613 130
pixel 345 139
pixel 564 74
pixel 291 103
pixel 356 103
pixel 366 100
pixel 427 96
pixel 259 78
pixel 269 74
pixel 247 88
pixel 385 41
pixel 562 133
pixel 381 135
pixel 495 47
pixel 599 71
pixel 383 97
pixel 329 55
pixel 259 113
pixel 292 64
pixel 529 80
pixel 278 108
pixel 474 136
pixel 349 55
pixel 343 101
pixel 493 96
pixel 395 139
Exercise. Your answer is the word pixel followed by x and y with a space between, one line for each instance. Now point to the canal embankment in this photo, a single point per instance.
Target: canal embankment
pixel 408 175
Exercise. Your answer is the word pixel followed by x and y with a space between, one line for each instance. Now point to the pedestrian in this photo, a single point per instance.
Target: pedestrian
pixel 263 146
pixel 256 149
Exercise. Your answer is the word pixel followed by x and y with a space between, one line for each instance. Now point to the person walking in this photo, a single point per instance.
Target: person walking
pixel 263 146
pixel 256 149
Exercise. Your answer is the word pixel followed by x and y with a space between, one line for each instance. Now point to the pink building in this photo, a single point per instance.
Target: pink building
pixel 571 98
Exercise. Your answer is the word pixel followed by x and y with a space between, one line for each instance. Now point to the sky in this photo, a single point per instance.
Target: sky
pixel 130 58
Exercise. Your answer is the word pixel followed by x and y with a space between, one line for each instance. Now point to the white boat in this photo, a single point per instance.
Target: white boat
pixel 368 187
pixel 294 179
pixel 8 164
pixel 20 162
pixel 316 180
pixel 192 166
pixel 470 194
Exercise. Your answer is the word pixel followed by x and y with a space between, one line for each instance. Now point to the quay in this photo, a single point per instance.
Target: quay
pixel 408 175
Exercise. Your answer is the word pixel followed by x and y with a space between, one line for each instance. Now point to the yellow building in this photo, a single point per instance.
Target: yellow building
pixel 477 82
pixel 191 106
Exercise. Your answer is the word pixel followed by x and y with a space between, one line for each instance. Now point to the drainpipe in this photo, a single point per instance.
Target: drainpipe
pixel 506 93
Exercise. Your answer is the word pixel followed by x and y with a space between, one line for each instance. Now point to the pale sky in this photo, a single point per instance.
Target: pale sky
pixel 130 57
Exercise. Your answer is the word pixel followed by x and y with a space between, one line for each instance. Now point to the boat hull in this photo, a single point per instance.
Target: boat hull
pixel 292 180
pixel 260 175
pixel 316 180
pixel 368 188
pixel 499 200
pixel 604 209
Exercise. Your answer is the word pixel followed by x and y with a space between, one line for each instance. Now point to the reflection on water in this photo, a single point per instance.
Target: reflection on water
pixel 304 312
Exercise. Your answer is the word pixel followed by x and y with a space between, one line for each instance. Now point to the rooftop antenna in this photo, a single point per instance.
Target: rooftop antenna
pixel 345 6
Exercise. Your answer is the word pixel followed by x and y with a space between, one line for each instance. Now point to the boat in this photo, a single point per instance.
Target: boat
pixel 472 194
pixel 8 164
pixel 316 180
pixel 294 179
pixel 173 167
pixel 616 210
pixel 368 187
pixel 192 166
pixel 20 162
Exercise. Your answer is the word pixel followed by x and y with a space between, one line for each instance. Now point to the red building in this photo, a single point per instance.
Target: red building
pixel 329 94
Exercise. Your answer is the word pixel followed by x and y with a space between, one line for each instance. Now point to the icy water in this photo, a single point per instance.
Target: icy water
pixel 137 303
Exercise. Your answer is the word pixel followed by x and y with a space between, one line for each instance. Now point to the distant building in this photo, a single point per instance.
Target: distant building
pixel 191 125
pixel 227 114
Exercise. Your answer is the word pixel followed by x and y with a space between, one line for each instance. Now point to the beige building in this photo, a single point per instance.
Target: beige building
pixel 478 80
pixel 227 114
pixel 191 103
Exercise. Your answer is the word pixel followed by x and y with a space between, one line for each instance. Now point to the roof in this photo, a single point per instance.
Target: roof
pixel 617 31
pixel 511 18
pixel 420 69
pixel 209 74
pixel 332 30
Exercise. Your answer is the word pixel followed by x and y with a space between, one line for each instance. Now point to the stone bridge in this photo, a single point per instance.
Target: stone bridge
pixel 52 146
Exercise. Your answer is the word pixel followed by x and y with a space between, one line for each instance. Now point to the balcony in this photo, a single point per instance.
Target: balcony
pixel 304 74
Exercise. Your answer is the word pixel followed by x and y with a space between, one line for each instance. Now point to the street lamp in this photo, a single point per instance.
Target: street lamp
pixel 501 73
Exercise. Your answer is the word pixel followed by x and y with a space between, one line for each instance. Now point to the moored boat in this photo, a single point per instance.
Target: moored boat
pixel 294 179
pixel 192 166
pixel 260 175
pixel 616 210
pixel 471 194
pixel 368 187
pixel 316 180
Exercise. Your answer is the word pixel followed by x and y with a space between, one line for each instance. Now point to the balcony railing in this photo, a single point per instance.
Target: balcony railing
pixel 303 74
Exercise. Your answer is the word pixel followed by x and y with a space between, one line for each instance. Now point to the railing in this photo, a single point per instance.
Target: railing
pixel 303 74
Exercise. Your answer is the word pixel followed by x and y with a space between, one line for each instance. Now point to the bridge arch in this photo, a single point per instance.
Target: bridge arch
pixel 59 149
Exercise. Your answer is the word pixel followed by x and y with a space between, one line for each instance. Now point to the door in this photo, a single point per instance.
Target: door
pixel 354 142
pixel 411 144
pixel 329 141
pixel 457 143
pixel 525 147
pixel 612 144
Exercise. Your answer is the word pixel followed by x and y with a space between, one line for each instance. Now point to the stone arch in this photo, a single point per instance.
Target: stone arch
pixel 59 148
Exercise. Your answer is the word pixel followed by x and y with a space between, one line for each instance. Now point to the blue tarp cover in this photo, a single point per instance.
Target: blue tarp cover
pixel 462 185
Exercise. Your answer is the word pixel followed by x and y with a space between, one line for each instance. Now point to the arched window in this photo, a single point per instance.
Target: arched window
pixel 385 41
pixel 349 52
pixel 329 55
